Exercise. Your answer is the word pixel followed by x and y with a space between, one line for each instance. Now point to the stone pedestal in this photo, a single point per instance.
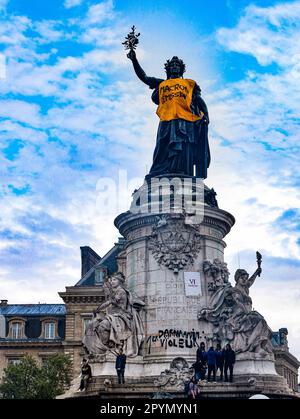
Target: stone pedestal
pixel 249 363
pixel 161 252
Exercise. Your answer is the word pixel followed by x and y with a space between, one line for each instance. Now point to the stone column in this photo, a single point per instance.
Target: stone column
pixel 162 250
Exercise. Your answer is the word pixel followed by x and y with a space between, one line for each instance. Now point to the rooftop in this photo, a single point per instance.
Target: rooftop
pixel 33 310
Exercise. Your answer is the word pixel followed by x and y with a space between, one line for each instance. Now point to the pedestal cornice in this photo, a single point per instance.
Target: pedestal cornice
pixel 213 217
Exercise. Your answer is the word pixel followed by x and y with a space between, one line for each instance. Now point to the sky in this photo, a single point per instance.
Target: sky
pixel 72 113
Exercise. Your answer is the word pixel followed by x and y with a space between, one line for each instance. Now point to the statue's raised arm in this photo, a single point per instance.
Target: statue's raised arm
pixel 130 43
pixel 152 82
pixel 258 271
pixel 252 279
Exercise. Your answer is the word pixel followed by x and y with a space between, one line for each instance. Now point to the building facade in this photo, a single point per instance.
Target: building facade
pixel 286 364
pixel 33 329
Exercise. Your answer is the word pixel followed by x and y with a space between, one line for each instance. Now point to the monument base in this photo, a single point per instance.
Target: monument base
pixel 243 387
pixel 250 363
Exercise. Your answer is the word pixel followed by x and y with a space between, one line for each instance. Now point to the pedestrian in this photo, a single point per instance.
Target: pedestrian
pixel 120 366
pixel 86 375
pixel 229 361
pixel 211 363
pixel 220 361
pixel 201 362
pixel 193 389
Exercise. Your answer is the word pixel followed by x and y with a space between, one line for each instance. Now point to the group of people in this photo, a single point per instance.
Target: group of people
pixel 207 365
pixel 214 360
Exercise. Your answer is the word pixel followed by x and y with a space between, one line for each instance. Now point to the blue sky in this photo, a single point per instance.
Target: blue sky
pixel 72 112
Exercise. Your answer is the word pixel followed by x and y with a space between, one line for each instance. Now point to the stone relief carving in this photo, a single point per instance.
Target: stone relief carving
pixel 174 244
pixel 117 322
pixel 178 374
pixel 231 314
pixel 216 273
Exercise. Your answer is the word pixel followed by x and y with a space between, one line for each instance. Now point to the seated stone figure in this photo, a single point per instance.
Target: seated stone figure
pixel 117 323
pixel 233 319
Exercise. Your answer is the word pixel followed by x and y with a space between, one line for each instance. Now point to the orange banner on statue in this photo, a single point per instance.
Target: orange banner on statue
pixel 175 99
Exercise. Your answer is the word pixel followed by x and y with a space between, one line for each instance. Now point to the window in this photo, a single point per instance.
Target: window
pixel 17 330
pixel 14 361
pixel 86 322
pixel 50 330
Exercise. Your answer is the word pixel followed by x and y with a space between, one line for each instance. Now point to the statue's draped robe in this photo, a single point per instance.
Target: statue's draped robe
pixel 181 144
pixel 230 311
pixel 125 328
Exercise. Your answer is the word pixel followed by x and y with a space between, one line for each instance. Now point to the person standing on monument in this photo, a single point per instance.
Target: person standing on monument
pixel 201 361
pixel 220 361
pixel 229 361
pixel 211 363
pixel 182 146
pixel 120 366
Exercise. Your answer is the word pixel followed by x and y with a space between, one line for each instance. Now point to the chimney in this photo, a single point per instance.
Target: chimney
pixel 89 258
pixel 3 303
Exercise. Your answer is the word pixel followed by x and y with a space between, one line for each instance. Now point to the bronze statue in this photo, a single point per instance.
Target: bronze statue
pixel 182 146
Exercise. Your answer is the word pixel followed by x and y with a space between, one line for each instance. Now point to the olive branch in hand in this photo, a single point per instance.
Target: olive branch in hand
pixel 131 40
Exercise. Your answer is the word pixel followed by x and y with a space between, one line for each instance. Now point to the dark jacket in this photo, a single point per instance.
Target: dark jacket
pixel 121 362
pixel 229 356
pixel 211 357
pixel 220 358
pixel 86 370
pixel 201 356
pixel 198 367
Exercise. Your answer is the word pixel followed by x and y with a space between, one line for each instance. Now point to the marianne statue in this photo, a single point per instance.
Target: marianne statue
pixel 182 139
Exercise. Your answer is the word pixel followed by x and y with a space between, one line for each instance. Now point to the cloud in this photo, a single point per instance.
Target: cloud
pixel 280 308
pixel 255 131
pixel 254 135
pixel 268 34
pixel 100 12
pixel 72 3
pixel 21 111
pixel 66 121
pixel 3 4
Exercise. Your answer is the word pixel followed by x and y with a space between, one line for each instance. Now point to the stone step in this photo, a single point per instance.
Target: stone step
pixel 114 380
pixel 144 387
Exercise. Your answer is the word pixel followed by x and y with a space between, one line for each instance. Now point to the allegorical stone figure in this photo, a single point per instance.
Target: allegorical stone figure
pixel 230 311
pixel 117 323
pixel 182 146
